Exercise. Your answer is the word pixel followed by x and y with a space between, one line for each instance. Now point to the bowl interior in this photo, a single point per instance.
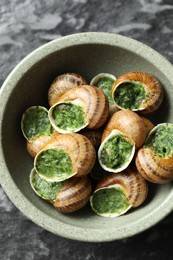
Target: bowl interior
pixel 86 60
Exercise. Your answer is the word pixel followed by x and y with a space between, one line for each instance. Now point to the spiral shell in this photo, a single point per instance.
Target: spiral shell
pixel 62 84
pixel 130 182
pixel 129 123
pixel 67 196
pixel 154 168
pixel 94 102
pixel 74 195
pixel 153 90
pixel 156 164
pixel 134 185
pixel 79 149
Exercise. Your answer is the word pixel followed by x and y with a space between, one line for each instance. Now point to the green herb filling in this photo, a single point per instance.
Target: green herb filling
pixel 54 164
pixel 116 152
pixel 45 189
pixel 68 116
pixel 161 141
pixel 129 95
pixel 105 84
pixel 109 200
pixel 36 122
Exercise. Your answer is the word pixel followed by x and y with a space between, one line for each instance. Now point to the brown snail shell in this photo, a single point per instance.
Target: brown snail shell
pixel 155 163
pixel 74 195
pixel 130 182
pixel 129 123
pixel 62 84
pixel 154 168
pixel 134 185
pixel 152 89
pixel 80 150
pixel 67 196
pixel 35 146
pixel 94 101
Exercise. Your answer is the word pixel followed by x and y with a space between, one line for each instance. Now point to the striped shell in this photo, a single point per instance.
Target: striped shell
pixel 35 146
pixel 62 84
pixel 74 195
pixel 152 87
pixel 154 168
pixel 80 150
pixel 148 124
pixel 94 102
pixel 134 185
pixel 129 123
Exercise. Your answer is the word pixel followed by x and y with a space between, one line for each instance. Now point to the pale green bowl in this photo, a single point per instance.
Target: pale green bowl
pixel 87 54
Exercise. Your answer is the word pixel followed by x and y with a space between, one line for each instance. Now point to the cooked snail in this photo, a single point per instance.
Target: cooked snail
pixel 62 84
pixel 115 194
pixel 79 108
pixel 67 196
pixel 35 122
pixel 130 124
pixel 137 91
pixel 154 160
pixel 104 81
pixel 66 156
pixel 116 152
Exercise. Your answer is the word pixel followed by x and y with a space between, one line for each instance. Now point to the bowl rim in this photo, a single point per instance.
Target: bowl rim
pixel 8 184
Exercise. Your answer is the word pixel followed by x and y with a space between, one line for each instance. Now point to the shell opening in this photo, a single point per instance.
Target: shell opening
pixel 53 164
pixel 160 139
pixel 35 122
pixel 110 201
pixel 130 95
pixel 67 117
pixel 116 152
pixel 104 81
pixel 45 189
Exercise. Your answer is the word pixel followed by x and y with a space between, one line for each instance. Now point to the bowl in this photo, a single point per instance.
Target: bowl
pixel 87 54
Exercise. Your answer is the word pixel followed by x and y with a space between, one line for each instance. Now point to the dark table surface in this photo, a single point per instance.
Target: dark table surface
pixel 24 26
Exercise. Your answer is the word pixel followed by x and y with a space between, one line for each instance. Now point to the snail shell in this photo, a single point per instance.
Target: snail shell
pixel 74 195
pixel 67 196
pixel 151 165
pixel 36 145
pixel 111 153
pixel 152 88
pixel 94 102
pixel 35 122
pixel 130 182
pixel 80 150
pixel 129 123
pixel 106 89
pixel 62 84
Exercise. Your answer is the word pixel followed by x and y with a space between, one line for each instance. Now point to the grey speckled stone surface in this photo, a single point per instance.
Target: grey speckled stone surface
pixel 24 26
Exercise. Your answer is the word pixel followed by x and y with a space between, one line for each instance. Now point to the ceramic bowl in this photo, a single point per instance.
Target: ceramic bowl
pixel 87 54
